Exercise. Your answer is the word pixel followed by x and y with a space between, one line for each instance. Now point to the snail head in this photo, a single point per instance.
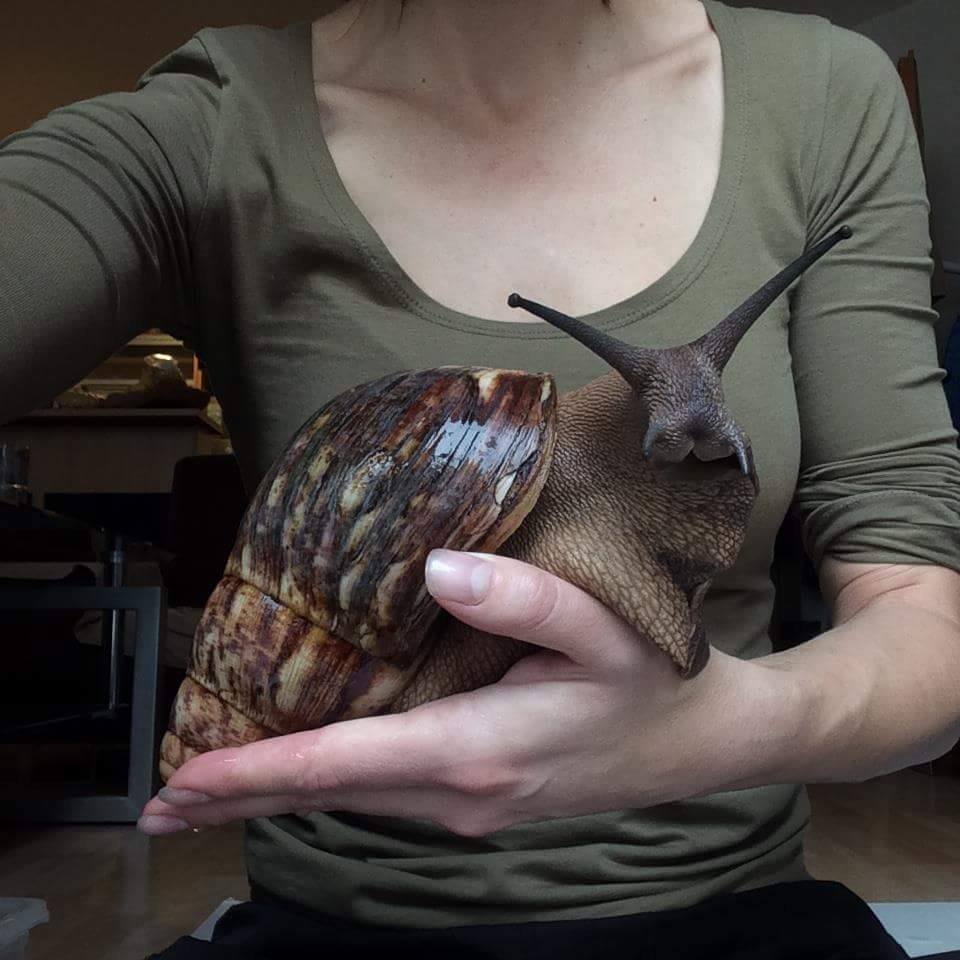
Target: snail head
pixel 681 386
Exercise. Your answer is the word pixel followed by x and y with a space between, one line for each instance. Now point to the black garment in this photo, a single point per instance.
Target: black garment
pixel 809 920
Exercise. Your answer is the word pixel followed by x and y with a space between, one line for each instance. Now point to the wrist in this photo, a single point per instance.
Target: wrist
pixel 828 699
pixel 871 707
pixel 776 711
pixel 750 726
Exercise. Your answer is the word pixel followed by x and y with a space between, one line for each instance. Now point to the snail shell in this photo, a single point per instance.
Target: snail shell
pixel 322 613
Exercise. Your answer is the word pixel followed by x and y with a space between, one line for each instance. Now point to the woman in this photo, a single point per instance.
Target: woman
pixel 317 206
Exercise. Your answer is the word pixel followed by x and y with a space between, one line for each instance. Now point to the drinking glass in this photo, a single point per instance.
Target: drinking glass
pixel 14 474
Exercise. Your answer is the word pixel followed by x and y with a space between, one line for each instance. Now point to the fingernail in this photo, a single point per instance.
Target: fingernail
pixel 182 798
pixel 461 577
pixel 154 826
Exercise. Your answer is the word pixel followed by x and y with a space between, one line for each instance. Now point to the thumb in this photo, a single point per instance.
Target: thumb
pixel 509 598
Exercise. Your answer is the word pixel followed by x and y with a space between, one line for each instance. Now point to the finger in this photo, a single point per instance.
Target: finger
pixel 402 750
pixel 452 810
pixel 507 597
pixel 215 813
pixel 423 804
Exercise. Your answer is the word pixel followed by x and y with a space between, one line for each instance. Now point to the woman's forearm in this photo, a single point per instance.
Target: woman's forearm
pixel 881 690
pixel 876 693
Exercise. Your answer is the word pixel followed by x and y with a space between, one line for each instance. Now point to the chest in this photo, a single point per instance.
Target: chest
pixel 583 204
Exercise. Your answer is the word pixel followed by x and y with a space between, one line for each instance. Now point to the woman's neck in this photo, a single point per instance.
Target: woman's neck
pixel 507 55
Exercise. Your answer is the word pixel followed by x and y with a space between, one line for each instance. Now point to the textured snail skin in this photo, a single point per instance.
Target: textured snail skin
pixel 638 488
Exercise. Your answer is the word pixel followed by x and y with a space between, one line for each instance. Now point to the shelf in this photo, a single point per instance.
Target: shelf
pixel 155 340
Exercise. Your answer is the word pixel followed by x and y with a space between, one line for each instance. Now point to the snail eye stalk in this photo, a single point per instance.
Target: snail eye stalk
pixel 638 364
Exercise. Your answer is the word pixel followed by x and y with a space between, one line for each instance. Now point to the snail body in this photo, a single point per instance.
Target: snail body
pixel 637 487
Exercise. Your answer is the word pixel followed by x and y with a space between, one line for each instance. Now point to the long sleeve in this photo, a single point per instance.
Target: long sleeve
pixel 100 204
pixel 880 473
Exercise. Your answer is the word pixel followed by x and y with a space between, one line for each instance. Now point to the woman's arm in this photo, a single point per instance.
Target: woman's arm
pixel 99 203
pixel 879 490
pixel 881 690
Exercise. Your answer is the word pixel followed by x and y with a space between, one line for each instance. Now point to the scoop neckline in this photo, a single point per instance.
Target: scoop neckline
pixel 632 309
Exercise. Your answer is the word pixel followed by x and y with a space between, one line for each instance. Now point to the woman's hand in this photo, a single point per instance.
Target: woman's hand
pixel 598 720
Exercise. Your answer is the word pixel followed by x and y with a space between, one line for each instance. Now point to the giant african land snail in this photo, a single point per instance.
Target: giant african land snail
pixel 322 613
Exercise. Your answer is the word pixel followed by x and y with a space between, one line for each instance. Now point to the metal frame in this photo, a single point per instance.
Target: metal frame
pixel 149 602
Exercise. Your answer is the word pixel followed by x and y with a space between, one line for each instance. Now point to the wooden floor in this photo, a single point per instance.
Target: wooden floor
pixel 114 895
pixel 895 838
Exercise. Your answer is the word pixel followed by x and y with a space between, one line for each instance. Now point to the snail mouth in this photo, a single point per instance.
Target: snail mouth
pixel 699 455
pixel 693 469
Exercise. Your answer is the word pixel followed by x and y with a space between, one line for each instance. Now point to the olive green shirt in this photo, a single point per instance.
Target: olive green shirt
pixel 207 203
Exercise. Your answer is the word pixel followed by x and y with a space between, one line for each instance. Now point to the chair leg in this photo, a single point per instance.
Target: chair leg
pixel 142 779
